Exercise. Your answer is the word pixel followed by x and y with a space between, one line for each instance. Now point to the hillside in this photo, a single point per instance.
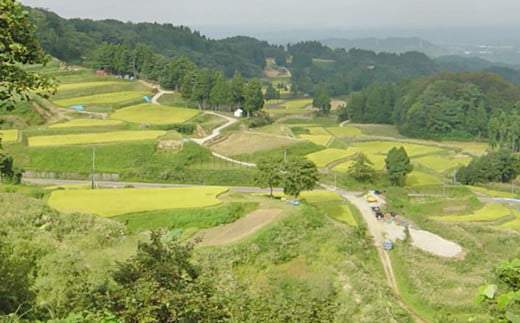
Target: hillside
pixel 73 40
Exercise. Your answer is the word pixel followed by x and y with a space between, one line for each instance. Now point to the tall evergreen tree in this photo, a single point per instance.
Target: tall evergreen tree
pixel 397 166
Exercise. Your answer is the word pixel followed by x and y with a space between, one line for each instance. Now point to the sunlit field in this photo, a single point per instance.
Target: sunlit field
pixel 94 138
pixel 154 114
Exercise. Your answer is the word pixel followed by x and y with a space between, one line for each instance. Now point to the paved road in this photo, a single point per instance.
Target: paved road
pixel 109 184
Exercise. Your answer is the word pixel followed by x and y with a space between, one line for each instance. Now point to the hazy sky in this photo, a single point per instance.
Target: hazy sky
pixel 356 14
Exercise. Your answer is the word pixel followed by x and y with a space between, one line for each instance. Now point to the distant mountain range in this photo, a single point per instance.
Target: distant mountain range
pixel 391 45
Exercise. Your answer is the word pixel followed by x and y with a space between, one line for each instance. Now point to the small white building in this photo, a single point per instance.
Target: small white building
pixel 238 113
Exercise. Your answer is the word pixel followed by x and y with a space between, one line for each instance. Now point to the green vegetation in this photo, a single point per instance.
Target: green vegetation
pixel 322 140
pixel 94 138
pixel 130 200
pixel 397 164
pixel 199 217
pixel 420 178
pixel 333 205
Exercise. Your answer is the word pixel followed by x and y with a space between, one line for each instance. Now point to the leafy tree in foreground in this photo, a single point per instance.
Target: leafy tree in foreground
pixel 300 174
pixel 321 100
pixel 18 46
pixel 269 172
pixel 502 297
pixel 161 284
pixel 397 166
pixel 362 169
pixel 253 97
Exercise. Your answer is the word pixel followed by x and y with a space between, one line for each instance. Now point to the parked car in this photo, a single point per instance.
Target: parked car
pixel 371 199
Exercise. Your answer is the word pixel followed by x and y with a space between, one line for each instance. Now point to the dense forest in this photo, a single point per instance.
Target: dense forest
pixel 449 105
pixel 74 40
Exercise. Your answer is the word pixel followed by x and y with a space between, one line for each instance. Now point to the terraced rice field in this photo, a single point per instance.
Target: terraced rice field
pixel 94 138
pixel 250 142
pixel 332 204
pixel 419 178
pixel 84 123
pixel 148 113
pixel 9 135
pixel 111 202
pixel 382 147
pixel 103 98
pixel 347 131
pixel 492 193
pixel 378 162
pixel 514 224
pixel 85 85
pixel 322 140
pixel 473 148
pixel 490 212
pixel 442 163
pixel 324 157
pixel 318 131
pixel 297 104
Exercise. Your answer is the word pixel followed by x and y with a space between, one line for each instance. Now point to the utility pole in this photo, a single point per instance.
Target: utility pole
pixel 93 168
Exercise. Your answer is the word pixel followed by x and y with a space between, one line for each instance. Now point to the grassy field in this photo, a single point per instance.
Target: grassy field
pixel 154 114
pixel 473 148
pixel 322 140
pixel 111 202
pixel 9 135
pixel 318 131
pixel 324 157
pixel 104 98
pixel 490 212
pixel 83 123
pixel 297 104
pixel 94 138
pixel 513 224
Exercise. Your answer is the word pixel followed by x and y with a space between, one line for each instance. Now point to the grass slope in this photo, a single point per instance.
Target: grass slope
pixel 490 212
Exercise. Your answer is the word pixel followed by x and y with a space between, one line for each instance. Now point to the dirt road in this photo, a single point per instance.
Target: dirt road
pixel 237 230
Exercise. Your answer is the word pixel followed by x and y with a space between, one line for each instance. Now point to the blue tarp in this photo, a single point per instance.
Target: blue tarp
pixel 78 107
pixel 147 99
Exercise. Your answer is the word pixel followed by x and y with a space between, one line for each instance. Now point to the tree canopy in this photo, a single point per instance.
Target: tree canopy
pixel 19 46
pixel 397 166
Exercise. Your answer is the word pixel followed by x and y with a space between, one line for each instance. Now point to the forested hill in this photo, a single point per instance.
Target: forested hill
pixel 449 105
pixel 75 40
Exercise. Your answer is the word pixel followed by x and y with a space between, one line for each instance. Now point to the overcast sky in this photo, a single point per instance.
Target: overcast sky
pixel 355 14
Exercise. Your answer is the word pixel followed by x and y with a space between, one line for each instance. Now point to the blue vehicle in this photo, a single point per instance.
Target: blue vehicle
pixel 388 245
